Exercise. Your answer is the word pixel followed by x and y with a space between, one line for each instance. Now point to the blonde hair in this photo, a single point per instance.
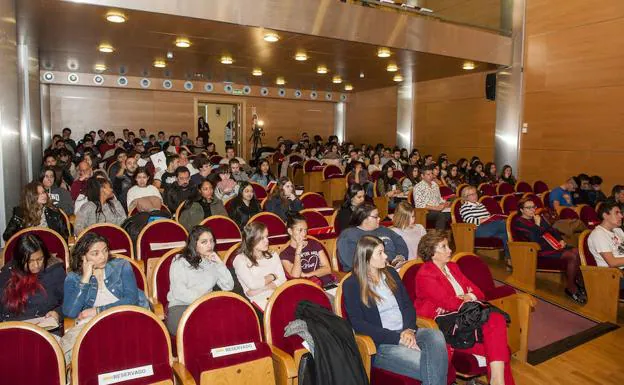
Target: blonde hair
pixel 466 190
pixel 403 215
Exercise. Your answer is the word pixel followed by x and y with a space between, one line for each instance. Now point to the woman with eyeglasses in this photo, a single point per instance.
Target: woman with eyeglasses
pixel 531 227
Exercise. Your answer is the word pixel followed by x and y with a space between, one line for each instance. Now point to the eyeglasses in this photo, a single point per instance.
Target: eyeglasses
pixel 374 216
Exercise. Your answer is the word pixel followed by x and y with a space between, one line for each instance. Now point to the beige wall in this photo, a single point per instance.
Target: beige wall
pixel 453 116
pixel 574 82
pixel 372 117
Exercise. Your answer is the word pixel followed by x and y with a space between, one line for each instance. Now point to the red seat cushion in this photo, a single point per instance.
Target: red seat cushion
pixel 467 364
pixel 118 239
pixel 505 188
pixel 479 273
pixel 384 377
pixel 551 264
pixel 162 281
pixel 313 201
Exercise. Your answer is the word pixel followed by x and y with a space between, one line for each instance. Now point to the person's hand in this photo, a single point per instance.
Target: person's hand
pixel 87 313
pixel 446 204
pixel 408 339
pixel 87 269
pixel 214 257
pixel 538 219
pixel 53 314
pixel 269 278
pixel 272 286
pixel 562 243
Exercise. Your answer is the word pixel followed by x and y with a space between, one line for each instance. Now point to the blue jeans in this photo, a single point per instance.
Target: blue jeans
pixel 496 229
pixel 429 365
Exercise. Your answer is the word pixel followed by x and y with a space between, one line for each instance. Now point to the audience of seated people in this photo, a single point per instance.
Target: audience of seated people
pixel 201 206
pixel 244 205
pixel 404 224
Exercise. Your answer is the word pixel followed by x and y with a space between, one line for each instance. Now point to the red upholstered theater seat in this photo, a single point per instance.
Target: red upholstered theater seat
pixel 119 242
pixel 398 174
pixel 215 159
pixel 523 187
pixel 230 255
pixel 218 320
pixel 160 281
pixel 55 244
pixel 259 191
pixel 225 231
pixel 30 355
pixel 446 193
pixel 504 188
pixel 140 340
pixel 138 270
pixel 540 187
pixel 332 171
pixel 589 216
pixel 509 203
pixel 318 225
pixel 491 204
pixel 157 238
pixel 487 189
pixel 277 228
pixel 312 200
pixel 568 213
pixel 479 273
pixel 311 165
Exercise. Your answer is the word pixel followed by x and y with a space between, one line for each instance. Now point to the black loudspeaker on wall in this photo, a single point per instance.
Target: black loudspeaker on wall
pixel 490 86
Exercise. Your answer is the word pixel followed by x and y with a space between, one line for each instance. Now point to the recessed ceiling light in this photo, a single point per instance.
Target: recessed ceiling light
pixel 106 48
pixel 337 79
pixel 169 55
pixel 398 78
pixel 392 67
pixel 321 69
pixel 280 81
pixel 226 60
pixel 348 87
pixel 160 64
pixel 116 17
pixel 469 65
pixel 256 72
pixel 182 42
pixel 100 67
pixel 301 56
pixel 271 37
pixel 383 52
pixel 361 74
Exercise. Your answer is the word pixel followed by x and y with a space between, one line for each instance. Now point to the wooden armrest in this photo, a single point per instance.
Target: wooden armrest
pixel 158 308
pixel 519 307
pixel 182 374
pixel 420 216
pixel 423 322
pixel 603 292
pixel 284 366
pixel 524 262
pixel 71 241
pixel 367 349
pixel 464 235
pixel 68 323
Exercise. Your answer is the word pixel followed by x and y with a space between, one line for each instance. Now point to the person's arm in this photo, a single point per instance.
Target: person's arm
pixel 225 281
pixel 180 287
pixel 130 291
pixel 85 217
pixel 346 249
pixel 296 205
pixel 293 269
pixel 428 288
pixel 75 295
pixel 324 266
pixel 255 285
pixel 58 281
pixel 400 246
pixel 611 260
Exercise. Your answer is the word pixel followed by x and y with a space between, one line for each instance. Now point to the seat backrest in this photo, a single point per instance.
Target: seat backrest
pixel 123 338
pixel 523 187
pixel 160 278
pixel 491 204
pixel 408 276
pixel 218 320
pixel 568 213
pixel 310 165
pixel 587 258
pixel 229 256
pixel 339 304
pixel 53 241
pixel 509 203
pixel 455 215
pixel 275 225
pixel 158 237
pixel 332 171
pixel 487 189
pixel 119 242
pixel 312 200
pixel 477 271
pixel 295 159
pixel 546 200
pixel 446 192
pixel 281 310
pixel 259 191
pixel 504 188
pixel 225 231
pixel 508 222
pixel 589 216
pixel 30 355
pixel 314 219
pixel 540 187
pixel 375 175
pixel 398 174
pixel 137 269
pixel 215 159
pixel 535 199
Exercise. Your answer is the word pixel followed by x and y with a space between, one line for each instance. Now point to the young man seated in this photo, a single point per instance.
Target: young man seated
pixel 606 241
pixel 561 197
pixel 426 195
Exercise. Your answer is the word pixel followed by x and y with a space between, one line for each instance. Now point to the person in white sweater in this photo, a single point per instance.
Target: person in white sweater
pixel 143 194
pixel 259 271
pixel 194 273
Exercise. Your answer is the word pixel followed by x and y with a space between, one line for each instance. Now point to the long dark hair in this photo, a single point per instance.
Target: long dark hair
pixel 42 176
pixel 387 181
pixel 259 171
pixel 22 284
pixel 190 251
pixel 252 233
pixel 362 212
pixel 142 170
pixel 352 191
pixel 94 187
pixel 363 253
pixel 82 248
pixel 278 191
pixel 239 198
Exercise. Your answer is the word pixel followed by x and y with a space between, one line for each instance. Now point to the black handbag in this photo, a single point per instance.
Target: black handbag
pixel 306 374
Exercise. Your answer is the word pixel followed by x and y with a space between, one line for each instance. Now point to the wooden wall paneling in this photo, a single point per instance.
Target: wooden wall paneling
pixel 372 117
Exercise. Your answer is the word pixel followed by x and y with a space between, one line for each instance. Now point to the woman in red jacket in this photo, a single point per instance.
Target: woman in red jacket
pixel 441 288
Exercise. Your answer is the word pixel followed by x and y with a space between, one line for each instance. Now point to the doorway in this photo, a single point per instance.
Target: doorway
pixel 224 122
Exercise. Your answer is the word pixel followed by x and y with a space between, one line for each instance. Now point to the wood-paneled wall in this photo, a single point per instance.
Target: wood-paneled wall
pixel 91 108
pixel 453 116
pixel 574 83
pixel 372 117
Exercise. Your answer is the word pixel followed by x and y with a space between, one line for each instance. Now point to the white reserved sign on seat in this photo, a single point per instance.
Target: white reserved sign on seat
pixel 232 349
pixel 166 245
pixel 125 375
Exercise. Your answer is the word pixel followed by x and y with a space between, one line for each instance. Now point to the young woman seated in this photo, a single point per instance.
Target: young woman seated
pixel 244 205
pixel 143 195
pixel 507 175
pixel 355 196
pixel 412 177
pixel 35 209
pixel 490 172
pixel 454 178
pixel 32 283
pixel 203 206
pixel 258 270
pixel 227 187
pixel 283 199
pixel 305 258
pixel 102 206
pixel 194 273
pixel 263 175
pixel 379 306
pixel 60 197
pixel 404 224
pixel 477 175
pixel 441 287
pixel 387 185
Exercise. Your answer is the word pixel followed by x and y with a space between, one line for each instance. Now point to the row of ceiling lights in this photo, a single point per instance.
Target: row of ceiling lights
pixel 271 37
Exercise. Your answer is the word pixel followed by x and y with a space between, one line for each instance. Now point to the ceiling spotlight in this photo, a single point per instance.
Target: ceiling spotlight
pixel 226 60
pixel 361 74
pixel 301 56
pixel 106 48
pixel 116 17
pixel 280 81
pixel 398 78
pixel 348 87
pixel 256 72
pixel 321 69
pixel 337 79
pixel 160 64
pixel 392 68
pixel 169 55
pixel 100 67
pixel 182 42
pixel 469 65
pixel 383 52
pixel 271 37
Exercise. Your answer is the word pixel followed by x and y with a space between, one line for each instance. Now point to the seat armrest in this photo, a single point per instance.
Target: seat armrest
pixel 519 307
pixel 284 366
pixel 367 349
pixel 68 323
pixel 423 322
pixel 603 292
pixel 158 308
pixel 464 235
pixel 182 374
pixel 524 263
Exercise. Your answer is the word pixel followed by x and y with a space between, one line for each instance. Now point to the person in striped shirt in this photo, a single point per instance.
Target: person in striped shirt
pixel 488 225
